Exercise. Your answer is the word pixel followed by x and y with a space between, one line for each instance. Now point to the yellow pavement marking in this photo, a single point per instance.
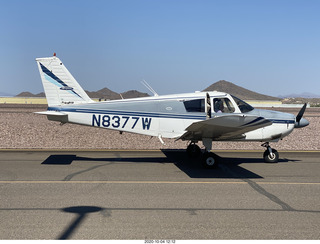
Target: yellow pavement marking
pixel 153 182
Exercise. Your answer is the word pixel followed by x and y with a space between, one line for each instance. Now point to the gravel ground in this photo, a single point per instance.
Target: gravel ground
pixel 21 128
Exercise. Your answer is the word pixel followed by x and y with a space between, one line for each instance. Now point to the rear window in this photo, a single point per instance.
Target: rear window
pixel 196 105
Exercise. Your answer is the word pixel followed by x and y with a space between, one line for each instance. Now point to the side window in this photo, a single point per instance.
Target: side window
pixel 223 105
pixel 196 105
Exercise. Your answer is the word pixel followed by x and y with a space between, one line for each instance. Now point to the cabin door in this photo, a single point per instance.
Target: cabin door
pixel 208 106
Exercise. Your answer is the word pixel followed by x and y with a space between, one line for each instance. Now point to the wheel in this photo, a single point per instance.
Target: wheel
pixel 193 150
pixel 271 157
pixel 210 160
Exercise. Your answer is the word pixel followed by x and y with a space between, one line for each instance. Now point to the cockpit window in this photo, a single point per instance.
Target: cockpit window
pixel 223 105
pixel 196 105
pixel 243 106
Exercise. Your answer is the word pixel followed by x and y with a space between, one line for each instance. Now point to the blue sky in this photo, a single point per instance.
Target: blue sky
pixel 272 47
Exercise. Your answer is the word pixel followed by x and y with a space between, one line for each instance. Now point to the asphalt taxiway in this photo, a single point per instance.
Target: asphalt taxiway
pixel 61 194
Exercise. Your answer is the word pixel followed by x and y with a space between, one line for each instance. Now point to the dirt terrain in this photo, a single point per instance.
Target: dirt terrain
pixel 21 128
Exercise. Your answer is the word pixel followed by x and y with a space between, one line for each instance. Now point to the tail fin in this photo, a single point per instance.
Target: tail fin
pixel 59 85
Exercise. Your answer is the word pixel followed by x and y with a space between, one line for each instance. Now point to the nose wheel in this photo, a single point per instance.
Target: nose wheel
pixel 270 155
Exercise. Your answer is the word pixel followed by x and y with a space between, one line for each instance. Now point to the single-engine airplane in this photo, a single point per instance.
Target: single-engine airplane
pixel 200 116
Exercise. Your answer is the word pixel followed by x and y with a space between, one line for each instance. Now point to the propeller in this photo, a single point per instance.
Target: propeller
pixel 301 112
pixel 301 122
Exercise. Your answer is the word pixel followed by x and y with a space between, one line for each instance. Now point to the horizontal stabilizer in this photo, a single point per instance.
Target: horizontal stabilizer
pixel 55 116
pixel 51 113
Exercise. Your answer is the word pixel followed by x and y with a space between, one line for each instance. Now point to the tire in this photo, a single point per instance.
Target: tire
pixel 193 151
pixel 210 160
pixel 271 158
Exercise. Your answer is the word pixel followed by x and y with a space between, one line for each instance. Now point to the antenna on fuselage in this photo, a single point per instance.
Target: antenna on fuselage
pixel 149 88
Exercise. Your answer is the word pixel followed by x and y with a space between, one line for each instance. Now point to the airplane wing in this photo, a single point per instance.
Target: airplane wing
pixel 224 127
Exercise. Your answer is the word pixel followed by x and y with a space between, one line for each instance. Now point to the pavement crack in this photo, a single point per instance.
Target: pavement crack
pixel 70 176
pixel 259 189
pixel 267 194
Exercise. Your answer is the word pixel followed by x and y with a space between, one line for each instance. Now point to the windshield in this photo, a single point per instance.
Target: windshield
pixel 243 106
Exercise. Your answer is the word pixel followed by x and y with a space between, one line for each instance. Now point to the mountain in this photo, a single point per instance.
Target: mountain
pixel 107 94
pixel 29 94
pixel 222 86
pixel 103 94
pixel 134 94
pixel 238 91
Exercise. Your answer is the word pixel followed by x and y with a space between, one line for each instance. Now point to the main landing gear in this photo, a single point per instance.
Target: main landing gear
pixel 193 150
pixel 210 160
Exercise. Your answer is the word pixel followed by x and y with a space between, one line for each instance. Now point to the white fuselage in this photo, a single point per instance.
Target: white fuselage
pixel 169 116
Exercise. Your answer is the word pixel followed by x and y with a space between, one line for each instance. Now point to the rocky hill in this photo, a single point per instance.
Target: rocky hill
pixel 29 94
pixel 102 94
pixel 222 86
pixel 134 94
pixel 238 91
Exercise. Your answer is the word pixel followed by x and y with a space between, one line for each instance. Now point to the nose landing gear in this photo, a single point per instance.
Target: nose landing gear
pixel 270 155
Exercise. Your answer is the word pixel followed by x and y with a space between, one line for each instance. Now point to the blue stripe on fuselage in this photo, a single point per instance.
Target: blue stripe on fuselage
pixel 282 121
pixel 150 114
pixel 119 112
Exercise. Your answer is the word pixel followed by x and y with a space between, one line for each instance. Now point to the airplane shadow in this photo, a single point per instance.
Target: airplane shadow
pixel 67 159
pixel 228 168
